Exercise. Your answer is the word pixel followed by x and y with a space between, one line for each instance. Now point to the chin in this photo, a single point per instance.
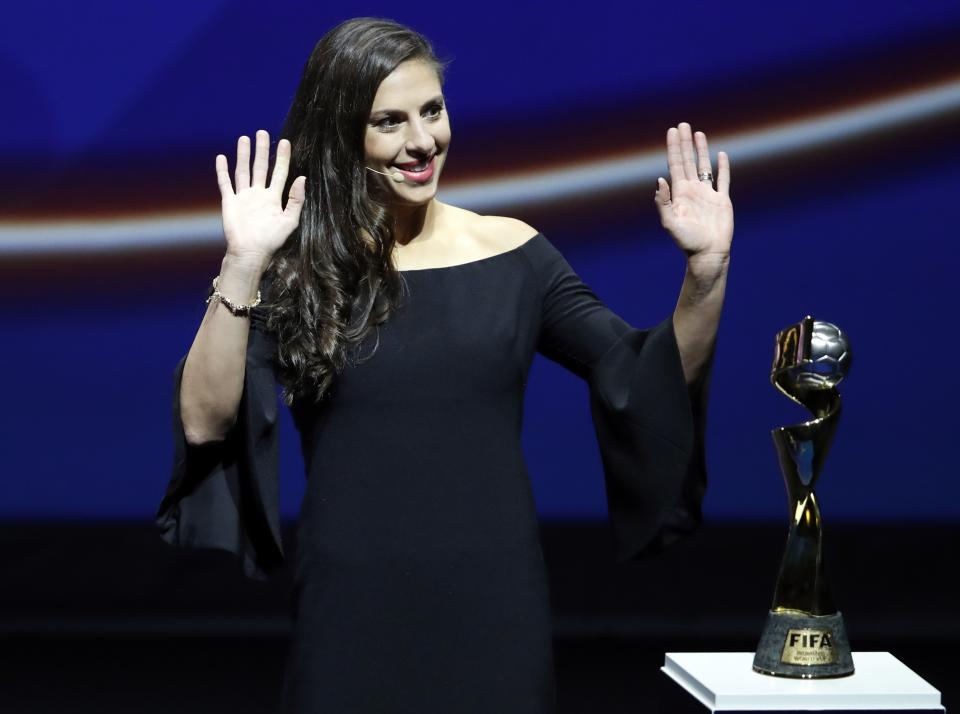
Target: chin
pixel 420 195
pixel 416 196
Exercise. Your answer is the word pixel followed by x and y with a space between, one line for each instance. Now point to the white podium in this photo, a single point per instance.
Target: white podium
pixel 725 682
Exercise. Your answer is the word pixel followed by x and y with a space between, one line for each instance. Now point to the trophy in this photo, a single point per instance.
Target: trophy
pixel 804 636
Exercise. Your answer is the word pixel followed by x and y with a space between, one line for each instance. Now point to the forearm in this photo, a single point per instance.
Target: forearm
pixel 213 374
pixel 697 314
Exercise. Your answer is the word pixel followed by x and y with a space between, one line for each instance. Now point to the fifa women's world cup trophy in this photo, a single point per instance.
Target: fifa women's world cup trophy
pixel 804 636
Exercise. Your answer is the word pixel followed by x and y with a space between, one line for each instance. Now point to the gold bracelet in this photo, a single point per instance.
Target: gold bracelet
pixel 238 310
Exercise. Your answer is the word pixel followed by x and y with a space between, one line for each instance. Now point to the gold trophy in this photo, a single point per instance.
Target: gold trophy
pixel 804 636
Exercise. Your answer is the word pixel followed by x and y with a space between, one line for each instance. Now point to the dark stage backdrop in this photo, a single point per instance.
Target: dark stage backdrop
pixel 841 121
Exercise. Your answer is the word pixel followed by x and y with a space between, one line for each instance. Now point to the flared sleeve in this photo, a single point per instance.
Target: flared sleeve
pixel 649 422
pixel 226 494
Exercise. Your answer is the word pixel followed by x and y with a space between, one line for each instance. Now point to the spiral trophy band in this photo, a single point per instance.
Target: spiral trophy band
pixel 804 636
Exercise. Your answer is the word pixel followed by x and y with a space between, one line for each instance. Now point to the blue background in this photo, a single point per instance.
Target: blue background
pixel 116 109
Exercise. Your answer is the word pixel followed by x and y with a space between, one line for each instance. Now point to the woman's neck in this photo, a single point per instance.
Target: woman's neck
pixel 415 222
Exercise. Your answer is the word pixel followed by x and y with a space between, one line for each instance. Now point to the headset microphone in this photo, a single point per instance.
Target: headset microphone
pixel 396 175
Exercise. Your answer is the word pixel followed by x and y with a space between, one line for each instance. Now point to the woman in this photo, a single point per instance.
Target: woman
pixel 402 330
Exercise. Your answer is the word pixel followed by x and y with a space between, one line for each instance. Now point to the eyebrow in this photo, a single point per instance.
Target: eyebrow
pixel 434 100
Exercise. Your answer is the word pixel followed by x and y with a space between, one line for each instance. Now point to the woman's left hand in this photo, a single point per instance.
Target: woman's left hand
pixel 697 216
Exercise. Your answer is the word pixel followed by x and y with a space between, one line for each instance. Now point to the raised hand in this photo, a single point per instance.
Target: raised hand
pixel 255 223
pixel 697 216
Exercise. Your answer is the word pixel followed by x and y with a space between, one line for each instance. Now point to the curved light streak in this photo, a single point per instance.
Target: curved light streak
pixel 516 191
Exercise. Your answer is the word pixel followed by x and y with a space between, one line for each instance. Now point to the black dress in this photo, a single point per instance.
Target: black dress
pixel 419 581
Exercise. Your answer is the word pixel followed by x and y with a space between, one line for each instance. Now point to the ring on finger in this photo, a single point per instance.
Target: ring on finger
pixel 706 176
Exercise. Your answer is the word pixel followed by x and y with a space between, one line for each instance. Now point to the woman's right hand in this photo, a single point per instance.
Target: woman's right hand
pixel 255 224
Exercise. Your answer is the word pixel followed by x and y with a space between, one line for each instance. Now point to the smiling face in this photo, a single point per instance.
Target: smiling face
pixel 408 132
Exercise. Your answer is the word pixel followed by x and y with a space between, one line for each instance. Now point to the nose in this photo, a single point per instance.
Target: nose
pixel 419 140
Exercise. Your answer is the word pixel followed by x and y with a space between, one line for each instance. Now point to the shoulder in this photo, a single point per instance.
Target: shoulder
pixel 500 234
pixel 506 232
pixel 491 234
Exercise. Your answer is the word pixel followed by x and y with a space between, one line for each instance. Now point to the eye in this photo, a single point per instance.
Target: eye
pixel 387 123
pixel 434 111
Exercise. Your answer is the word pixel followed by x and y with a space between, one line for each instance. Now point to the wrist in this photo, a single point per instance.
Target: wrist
pixel 238 309
pixel 705 279
pixel 240 277
pixel 708 266
pixel 251 265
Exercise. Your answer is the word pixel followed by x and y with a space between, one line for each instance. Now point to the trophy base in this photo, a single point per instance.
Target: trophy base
pixel 795 644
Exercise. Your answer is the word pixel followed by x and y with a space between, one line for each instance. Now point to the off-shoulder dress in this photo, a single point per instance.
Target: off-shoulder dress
pixel 419 582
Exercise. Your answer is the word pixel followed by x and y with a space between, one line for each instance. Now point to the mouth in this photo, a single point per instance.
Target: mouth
pixel 417 171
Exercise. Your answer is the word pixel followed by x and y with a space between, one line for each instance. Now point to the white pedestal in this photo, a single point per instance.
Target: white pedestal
pixel 725 682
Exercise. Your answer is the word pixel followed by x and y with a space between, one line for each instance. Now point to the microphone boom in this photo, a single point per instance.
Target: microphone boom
pixel 395 175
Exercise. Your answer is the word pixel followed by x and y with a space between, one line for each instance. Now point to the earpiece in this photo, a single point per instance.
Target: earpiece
pixel 395 175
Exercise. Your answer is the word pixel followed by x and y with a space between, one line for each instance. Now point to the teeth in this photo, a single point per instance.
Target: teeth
pixel 418 167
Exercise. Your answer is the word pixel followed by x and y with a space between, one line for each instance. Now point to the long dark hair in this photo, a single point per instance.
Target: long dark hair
pixel 334 281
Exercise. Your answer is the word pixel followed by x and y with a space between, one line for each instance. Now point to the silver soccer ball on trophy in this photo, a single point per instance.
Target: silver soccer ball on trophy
pixel 829 359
